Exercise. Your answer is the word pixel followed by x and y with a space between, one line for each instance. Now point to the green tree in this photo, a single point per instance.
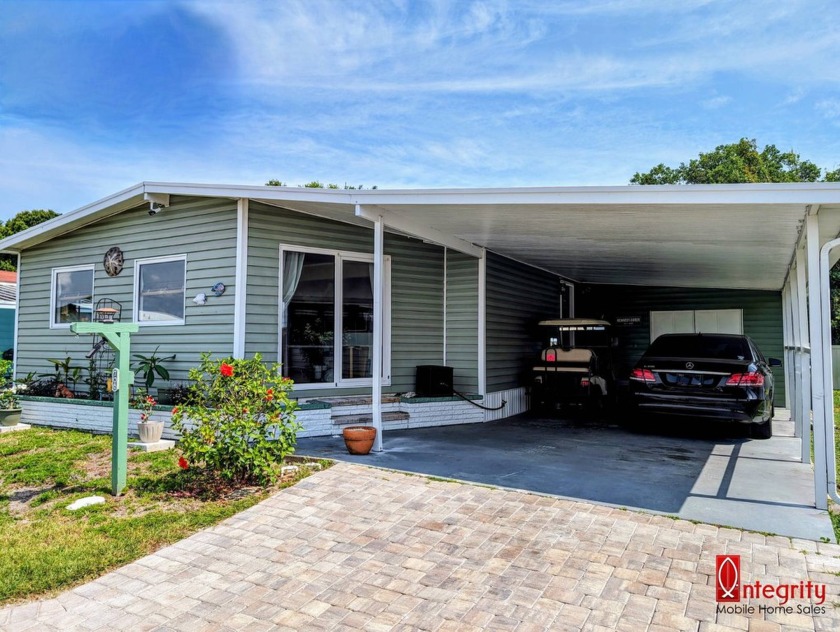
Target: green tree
pixel 738 162
pixel 18 223
pixel 316 184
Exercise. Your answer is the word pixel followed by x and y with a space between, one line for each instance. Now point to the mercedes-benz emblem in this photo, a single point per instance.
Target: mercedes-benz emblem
pixel 689 365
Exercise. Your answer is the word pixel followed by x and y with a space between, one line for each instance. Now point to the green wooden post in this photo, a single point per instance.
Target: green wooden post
pixel 118 336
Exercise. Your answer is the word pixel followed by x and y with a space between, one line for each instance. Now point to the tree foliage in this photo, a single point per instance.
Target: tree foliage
pixel 316 184
pixel 738 162
pixel 18 223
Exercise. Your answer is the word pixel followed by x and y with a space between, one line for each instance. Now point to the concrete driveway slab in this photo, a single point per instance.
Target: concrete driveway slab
pixel 703 473
pixel 357 548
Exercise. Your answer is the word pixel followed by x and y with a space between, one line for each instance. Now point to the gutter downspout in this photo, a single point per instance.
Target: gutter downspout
pixel 828 387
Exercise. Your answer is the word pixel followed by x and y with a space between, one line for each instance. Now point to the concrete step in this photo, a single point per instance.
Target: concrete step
pixel 365 419
pixel 356 400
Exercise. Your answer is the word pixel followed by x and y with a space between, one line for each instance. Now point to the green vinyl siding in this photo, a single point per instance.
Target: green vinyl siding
pixel 202 229
pixel 462 320
pixel 762 317
pixel 518 297
pixel 416 308
pixel 416 288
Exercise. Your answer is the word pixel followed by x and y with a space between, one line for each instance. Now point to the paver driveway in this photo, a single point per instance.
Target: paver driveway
pixel 361 548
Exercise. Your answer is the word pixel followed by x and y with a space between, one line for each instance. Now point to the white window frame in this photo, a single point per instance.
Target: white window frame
pixel 53 288
pixel 136 308
pixel 340 256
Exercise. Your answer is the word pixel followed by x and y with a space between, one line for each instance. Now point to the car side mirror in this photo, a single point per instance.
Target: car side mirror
pixel 774 362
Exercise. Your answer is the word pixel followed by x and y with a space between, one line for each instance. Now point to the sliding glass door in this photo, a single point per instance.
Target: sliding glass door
pixel 324 292
pixel 357 320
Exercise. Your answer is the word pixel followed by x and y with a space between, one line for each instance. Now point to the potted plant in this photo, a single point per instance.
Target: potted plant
pixel 149 431
pixel 152 366
pixel 9 406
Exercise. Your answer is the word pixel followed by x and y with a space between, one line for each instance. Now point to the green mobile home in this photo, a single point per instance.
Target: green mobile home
pixel 353 290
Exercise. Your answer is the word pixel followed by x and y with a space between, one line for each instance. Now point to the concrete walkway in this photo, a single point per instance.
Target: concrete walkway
pixel 357 548
pixel 706 473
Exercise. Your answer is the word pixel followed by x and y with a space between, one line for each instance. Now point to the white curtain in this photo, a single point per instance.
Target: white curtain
pixel 292 268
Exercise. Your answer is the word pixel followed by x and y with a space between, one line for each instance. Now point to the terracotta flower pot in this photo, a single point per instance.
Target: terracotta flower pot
pixel 359 439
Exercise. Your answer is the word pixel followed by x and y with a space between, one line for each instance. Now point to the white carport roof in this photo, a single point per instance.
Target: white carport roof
pixel 724 236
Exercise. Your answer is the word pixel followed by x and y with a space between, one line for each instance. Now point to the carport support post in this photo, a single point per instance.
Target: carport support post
pixel 817 359
pixel 118 336
pixel 804 354
pixel 788 346
pixel 378 326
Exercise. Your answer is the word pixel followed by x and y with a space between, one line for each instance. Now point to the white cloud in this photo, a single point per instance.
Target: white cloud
pixel 715 103
pixel 829 108
pixel 484 47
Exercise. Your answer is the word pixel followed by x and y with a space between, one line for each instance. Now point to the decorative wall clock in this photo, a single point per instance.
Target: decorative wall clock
pixel 113 261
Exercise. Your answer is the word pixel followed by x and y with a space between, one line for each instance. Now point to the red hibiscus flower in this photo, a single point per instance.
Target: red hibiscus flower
pixel 269 395
pixel 175 411
pixel 182 463
pixel 226 370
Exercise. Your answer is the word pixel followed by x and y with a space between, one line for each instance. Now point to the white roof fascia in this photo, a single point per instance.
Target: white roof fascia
pixel 71 220
pixel 728 194
pixel 411 227
pixel 748 193
pixel 292 194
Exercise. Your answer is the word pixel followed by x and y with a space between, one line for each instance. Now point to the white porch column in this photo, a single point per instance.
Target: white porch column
pixel 240 289
pixel 378 327
pixel 482 324
pixel 817 352
pixel 803 357
pixel 787 343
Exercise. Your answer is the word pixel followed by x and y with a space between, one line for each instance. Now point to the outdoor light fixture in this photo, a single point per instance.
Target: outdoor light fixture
pixel 155 208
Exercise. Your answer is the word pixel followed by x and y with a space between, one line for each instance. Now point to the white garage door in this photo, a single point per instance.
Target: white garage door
pixel 706 321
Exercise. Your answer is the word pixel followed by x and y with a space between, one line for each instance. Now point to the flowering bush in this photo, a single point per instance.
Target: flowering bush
pixel 238 419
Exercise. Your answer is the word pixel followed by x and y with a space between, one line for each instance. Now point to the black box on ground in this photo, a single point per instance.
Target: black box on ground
pixel 434 381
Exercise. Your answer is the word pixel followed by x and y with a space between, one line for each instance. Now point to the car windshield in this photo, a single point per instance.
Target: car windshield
pixel 717 347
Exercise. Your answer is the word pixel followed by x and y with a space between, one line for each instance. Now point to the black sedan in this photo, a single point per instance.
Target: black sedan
pixel 713 376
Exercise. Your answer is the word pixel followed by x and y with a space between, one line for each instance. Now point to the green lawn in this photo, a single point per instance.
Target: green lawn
pixel 46 548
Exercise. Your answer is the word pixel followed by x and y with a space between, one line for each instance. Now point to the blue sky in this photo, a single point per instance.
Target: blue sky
pixel 97 96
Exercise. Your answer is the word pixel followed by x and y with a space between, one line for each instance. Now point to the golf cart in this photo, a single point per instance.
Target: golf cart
pixel 575 367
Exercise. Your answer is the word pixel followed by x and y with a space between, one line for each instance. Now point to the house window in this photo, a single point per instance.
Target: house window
pixel 72 295
pixel 160 290
pixel 324 292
